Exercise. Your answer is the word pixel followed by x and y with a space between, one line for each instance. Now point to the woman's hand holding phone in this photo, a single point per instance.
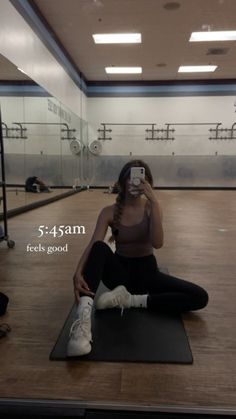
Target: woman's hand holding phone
pixel 146 189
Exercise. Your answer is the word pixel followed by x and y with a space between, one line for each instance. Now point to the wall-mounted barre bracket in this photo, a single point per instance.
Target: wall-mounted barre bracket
pixel 21 130
pixel 5 130
pixel 66 129
pixel 216 130
pixel 166 137
pixel 232 131
pixel 68 132
pixel 104 130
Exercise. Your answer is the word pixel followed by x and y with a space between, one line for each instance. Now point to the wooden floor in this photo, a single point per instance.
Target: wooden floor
pixel 199 246
pixel 17 197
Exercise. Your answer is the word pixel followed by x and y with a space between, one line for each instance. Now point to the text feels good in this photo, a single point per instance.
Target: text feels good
pixel 30 248
pixel 59 231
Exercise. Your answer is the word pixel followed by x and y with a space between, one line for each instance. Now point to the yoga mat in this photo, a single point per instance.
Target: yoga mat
pixel 136 336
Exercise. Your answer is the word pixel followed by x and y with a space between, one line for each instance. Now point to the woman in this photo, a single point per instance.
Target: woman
pixel 131 273
pixel 35 184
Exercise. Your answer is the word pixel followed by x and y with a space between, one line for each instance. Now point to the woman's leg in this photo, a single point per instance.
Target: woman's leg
pixel 165 293
pixel 176 295
pixel 103 265
pixel 151 288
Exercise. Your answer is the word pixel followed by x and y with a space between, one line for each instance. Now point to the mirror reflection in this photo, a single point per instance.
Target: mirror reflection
pixel 44 144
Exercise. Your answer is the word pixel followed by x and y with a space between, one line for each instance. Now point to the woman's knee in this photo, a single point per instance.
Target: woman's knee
pixel 100 246
pixel 204 298
pixel 201 298
pixel 99 250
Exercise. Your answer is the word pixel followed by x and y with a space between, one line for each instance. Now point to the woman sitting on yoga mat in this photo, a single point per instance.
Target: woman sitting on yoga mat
pixel 131 273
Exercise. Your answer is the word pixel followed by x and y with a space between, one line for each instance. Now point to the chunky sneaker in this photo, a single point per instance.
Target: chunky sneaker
pixel 119 297
pixel 80 335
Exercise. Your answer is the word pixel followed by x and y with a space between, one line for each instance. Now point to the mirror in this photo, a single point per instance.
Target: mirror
pixel 42 138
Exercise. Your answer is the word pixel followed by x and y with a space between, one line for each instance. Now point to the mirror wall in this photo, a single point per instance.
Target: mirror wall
pixel 41 138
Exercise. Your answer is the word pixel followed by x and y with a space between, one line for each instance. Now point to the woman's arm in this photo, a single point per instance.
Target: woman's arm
pixel 99 233
pixel 156 229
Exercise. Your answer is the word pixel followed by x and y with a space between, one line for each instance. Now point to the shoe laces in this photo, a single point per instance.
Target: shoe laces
pixel 81 326
pixel 117 302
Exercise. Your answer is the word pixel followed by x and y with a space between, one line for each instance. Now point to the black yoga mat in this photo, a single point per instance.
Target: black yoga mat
pixel 136 336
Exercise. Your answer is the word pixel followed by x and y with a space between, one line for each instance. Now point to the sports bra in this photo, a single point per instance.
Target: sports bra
pixel 134 241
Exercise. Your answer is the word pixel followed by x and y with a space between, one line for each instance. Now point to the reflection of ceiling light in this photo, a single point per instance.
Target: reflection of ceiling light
pixel 123 70
pixel 117 38
pixel 160 65
pixel 22 71
pixel 213 36
pixel 98 3
pixel 196 68
pixel 172 5
pixel 217 51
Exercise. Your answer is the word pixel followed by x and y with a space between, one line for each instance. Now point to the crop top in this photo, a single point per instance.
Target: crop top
pixel 135 241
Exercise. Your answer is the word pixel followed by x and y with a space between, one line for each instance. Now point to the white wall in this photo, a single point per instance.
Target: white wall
pixel 189 140
pixel 42 137
pixel 20 45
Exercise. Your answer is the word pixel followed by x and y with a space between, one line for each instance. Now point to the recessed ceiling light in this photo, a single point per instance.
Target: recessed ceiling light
pixel 123 70
pixel 196 68
pixel 117 38
pixel 172 5
pixel 217 51
pixel 213 36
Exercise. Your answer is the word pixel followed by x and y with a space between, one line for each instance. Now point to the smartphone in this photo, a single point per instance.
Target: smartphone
pixel 137 173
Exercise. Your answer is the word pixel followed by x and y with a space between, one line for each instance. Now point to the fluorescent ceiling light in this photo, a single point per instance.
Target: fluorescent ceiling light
pixel 123 70
pixel 213 36
pixel 22 71
pixel 117 38
pixel 196 68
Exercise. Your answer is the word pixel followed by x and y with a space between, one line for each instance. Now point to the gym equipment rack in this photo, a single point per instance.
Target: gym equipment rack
pixel 4 233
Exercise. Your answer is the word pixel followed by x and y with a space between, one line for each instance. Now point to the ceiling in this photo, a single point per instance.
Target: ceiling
pixel 9 71
pixel 165 27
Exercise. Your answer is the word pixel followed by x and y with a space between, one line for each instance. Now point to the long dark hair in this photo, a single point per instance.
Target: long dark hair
pixel 119 204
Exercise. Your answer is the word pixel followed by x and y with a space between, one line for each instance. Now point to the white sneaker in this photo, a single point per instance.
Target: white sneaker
pixel 80 335
pixel 119 297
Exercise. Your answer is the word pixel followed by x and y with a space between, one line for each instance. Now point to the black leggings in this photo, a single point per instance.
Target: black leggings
pixel 141 275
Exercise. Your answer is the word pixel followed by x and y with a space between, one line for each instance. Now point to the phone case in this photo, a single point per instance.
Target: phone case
pixel 137 173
